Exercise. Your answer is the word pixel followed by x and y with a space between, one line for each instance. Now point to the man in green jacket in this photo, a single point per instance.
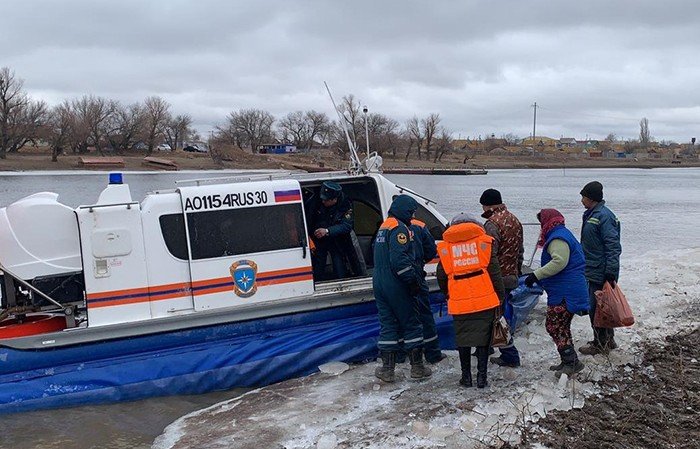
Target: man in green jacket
pixel 600 238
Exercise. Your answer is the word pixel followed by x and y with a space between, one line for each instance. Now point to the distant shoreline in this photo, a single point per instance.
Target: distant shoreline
pixel 199 162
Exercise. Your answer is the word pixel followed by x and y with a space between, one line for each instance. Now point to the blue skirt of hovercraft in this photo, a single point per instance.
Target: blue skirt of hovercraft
pixel 244 354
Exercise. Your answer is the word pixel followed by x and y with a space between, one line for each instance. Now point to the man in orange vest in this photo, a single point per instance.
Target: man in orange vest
pixel 469 275
pixel 396 286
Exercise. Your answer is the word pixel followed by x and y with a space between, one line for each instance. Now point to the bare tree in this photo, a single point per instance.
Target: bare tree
pixel 611 137
pixel 92 121
pixel 177 130
pixel 302 128
pixel 156 116
pixel 382 132
pixel 430 127
pixel 59 128
pixel 125 126
pixel 415 137
pixel 20 116
pixel 444 144
pixel 510 138
pixel 644 137
pixel 248 128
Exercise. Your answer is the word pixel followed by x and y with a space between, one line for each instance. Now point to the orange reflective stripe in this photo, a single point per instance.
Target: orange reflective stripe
pixel 389 223
pixel 466 262
pixel 417 222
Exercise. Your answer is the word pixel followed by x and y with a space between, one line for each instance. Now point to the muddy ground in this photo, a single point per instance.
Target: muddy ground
pixel 656 405
pixel 39 158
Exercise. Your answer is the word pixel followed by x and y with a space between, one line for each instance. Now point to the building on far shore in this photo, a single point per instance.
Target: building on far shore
pixel 277 148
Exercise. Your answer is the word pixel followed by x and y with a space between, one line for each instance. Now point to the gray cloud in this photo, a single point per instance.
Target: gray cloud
pixel 595 67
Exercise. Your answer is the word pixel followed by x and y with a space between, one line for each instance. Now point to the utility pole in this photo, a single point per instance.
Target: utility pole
pixel 534 122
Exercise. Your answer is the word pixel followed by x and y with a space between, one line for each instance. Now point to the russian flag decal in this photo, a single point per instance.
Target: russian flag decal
pixel 283 196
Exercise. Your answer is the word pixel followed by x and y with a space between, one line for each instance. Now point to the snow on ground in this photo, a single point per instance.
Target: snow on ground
pixel 342 408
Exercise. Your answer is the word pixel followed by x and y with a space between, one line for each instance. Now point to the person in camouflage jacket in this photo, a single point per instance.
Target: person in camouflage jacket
pixel 507 233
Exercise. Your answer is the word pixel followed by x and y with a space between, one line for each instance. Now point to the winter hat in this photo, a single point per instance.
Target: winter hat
pixel 490 197
pixel 593 191
pixel 330 190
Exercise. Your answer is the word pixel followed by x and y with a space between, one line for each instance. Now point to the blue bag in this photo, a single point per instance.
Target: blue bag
pixel 520 302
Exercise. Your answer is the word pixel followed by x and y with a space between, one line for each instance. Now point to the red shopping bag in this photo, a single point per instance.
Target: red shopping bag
pixel 612 308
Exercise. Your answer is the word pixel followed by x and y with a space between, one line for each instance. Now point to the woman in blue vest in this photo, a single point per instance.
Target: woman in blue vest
pixel 562 277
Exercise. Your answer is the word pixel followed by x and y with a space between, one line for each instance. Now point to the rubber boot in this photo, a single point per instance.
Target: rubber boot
pixel 465 362
pixel 418 368
pixel 386 371
pixel 556 367
pixel 569 359
pixel 482 361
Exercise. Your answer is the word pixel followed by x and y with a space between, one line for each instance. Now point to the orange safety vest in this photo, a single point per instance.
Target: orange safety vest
pixel 465 254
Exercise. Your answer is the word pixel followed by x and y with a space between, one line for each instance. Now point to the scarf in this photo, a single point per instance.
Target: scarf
pixel 549 219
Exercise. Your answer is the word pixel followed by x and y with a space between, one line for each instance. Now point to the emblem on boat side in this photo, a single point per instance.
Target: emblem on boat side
pixel 244 273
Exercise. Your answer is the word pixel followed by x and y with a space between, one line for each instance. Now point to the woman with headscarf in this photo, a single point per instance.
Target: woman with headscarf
pixel 470 277
pixel 562 276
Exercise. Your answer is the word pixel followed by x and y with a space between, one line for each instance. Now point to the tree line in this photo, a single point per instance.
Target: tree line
pixel 90 121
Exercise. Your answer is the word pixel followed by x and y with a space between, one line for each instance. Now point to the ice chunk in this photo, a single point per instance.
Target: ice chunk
pixel 334 368
pixel 420 428
pixel 327 441
pixel 563 379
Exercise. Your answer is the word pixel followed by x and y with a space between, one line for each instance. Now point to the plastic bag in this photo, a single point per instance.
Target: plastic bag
pixel 612 308
pixel 521 301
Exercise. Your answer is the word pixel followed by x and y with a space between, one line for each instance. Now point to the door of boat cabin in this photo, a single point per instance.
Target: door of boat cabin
pixel 247 243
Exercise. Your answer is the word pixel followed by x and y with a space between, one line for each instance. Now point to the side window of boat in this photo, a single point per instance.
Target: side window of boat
pixel 235 231
pixel 229 232
pixel 434 225
pixel 172 226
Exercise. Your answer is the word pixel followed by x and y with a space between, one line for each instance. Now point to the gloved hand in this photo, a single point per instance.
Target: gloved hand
pixel 414 288
pixel 531 279
pixel 611 279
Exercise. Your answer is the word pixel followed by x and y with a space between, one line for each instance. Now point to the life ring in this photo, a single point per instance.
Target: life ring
pixel 42 323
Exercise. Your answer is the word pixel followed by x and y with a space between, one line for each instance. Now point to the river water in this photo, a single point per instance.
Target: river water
pixel 657 208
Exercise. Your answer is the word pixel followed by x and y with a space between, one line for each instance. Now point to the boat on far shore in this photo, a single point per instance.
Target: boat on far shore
pixel 434 171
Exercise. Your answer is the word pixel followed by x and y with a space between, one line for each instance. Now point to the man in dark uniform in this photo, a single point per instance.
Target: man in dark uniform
pixel 396 285
pixel 425 250
pixel 332 225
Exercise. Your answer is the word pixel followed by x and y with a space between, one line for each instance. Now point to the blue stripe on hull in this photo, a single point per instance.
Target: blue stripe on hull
pixel 253 353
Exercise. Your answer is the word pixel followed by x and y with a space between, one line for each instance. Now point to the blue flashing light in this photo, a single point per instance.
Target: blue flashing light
pixel 115 178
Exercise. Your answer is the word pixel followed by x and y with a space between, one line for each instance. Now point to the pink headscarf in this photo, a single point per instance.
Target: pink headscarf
pixel 549 219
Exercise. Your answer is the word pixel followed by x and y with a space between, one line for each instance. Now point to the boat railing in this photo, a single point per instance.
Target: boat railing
pixel 261 177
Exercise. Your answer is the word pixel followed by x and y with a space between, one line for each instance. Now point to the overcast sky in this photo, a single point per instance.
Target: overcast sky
pixel 594 67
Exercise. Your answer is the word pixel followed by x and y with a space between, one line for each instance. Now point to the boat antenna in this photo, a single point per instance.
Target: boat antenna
pixel 355 164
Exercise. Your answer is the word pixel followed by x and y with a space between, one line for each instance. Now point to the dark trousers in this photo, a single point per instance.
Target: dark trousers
pixel 431 343
pixel 602 336
pixel 341 250
pixel 510 354
pixel 319 263
pixel 399 326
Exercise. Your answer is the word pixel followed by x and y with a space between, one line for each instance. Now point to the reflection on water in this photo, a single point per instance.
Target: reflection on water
pixel 651 204
pixel 115 426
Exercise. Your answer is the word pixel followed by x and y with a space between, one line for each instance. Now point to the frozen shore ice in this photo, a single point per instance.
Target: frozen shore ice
pixel 343 408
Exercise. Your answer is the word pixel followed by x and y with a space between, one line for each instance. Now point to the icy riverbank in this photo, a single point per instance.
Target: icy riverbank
pixel 352 409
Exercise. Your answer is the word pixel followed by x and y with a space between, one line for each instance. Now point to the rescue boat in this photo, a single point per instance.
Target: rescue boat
pixel 204 286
